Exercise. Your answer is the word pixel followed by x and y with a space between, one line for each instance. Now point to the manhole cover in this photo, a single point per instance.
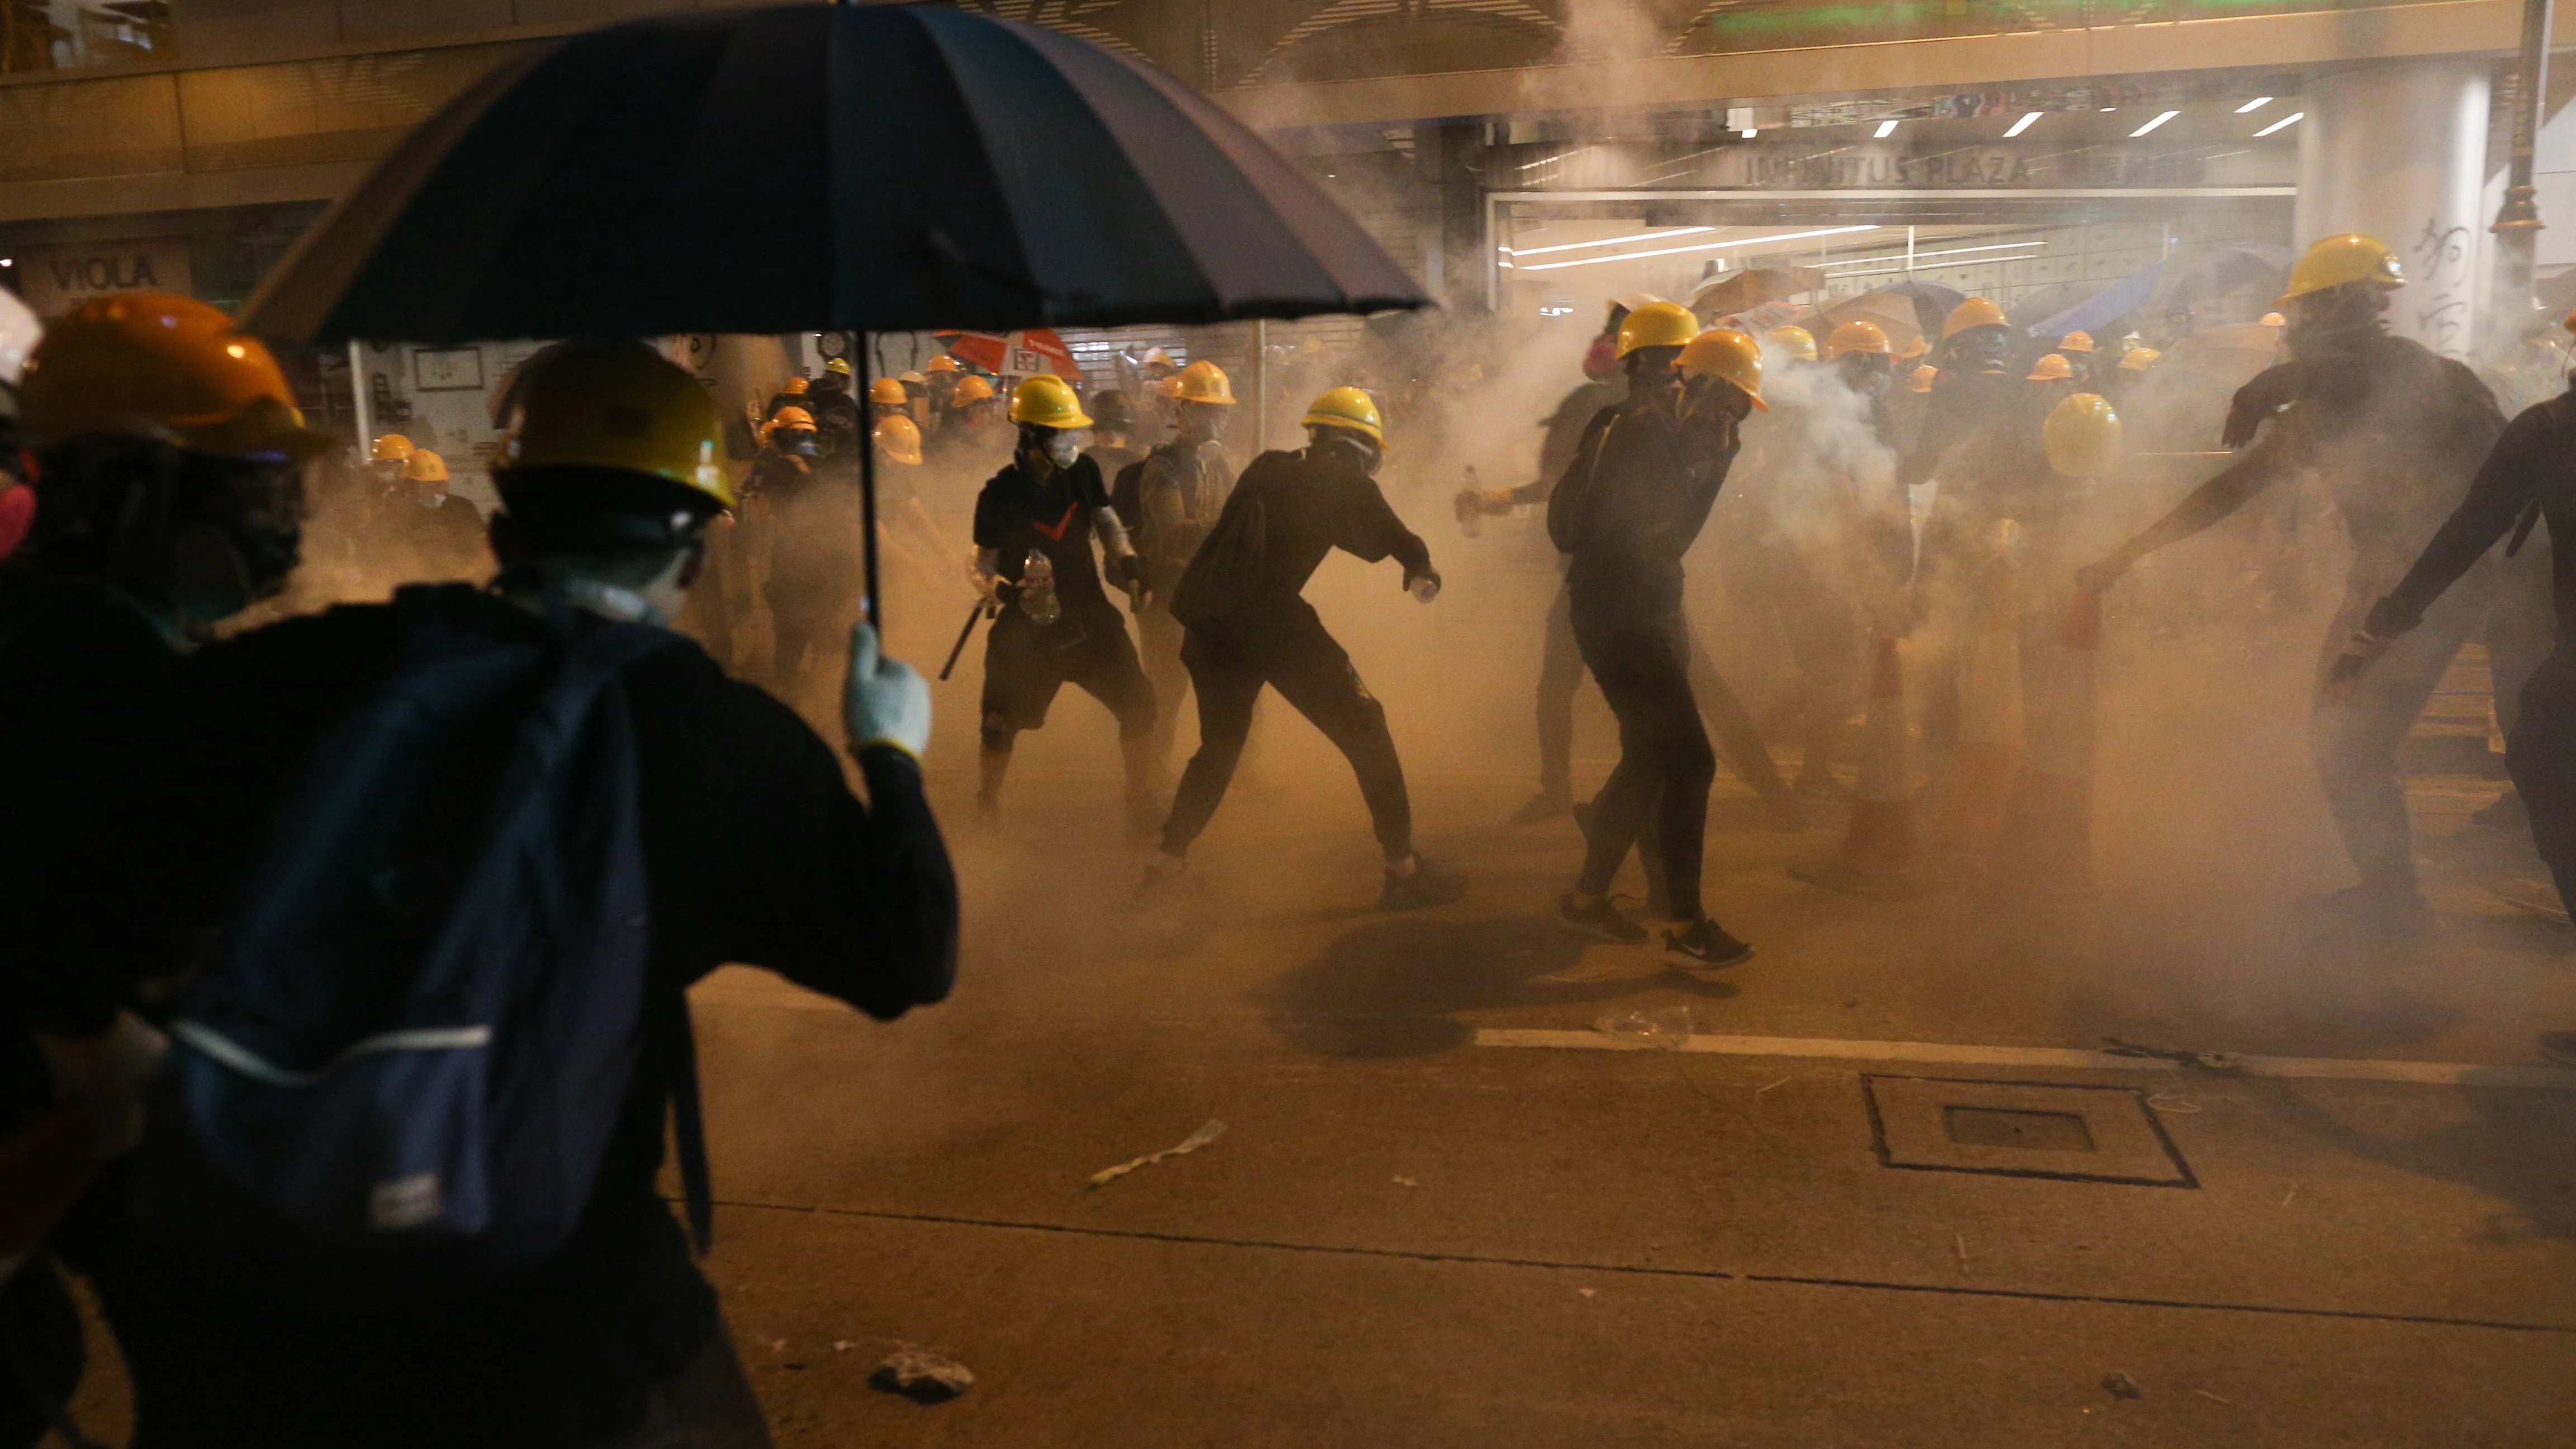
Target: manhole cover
pixel 2022 1129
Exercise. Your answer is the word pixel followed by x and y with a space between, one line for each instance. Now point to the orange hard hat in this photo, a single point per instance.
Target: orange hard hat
pixel 161 363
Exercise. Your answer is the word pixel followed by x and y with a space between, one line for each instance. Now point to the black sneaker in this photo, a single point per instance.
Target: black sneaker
pixel 1429 885
pixel 1544 806
pixel 1600 920
pixel 1704 946
pixel 2559 1047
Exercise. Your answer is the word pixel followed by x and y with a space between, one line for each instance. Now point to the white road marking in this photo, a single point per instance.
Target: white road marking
pixel 2438 1074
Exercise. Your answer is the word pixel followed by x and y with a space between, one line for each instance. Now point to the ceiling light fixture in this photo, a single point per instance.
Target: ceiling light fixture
pixel 1748 241
pixel 1887 128
pixel 2256 104
pixel 2021 125
pixel 2291 119
pixel 1607 241
pixel 2161 118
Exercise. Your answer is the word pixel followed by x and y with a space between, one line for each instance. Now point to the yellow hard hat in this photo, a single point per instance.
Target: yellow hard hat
pixel 1167 386
pixel 2082 436
pixel 942 363
pixel 1205 382
pixel 1797 341
pixel 1974 312
pixel 391 448
pixel 969 391
pixel 2075 342
pixel 839 365
pixel 424 466
pixel 1921 381
pixel 2052 368
pixel 887 390
pixel 1347 407
pixel 2139 359
pixel 1726 353
pixel 1657 324
pixel 1915 348
pixel 1044 401
pixel 620 406
pixel 2274 319
pixel 900 439
pixel 790 419
pixel 1857 336
pixel 156 363
pixel 2340 261
pixel 796 386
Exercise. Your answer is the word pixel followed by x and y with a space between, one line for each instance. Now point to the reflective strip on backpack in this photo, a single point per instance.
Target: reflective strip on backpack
pixel 250 1064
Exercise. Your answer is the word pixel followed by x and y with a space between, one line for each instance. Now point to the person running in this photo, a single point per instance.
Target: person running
pixel 1034 526
pixel 753 849
pixel 2396 431
pixel 1632 505
pixel 1242 602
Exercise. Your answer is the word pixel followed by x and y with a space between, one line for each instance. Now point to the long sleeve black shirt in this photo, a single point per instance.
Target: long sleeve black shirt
pixel 1645 496
pixel 1287 511
pixel 2532 466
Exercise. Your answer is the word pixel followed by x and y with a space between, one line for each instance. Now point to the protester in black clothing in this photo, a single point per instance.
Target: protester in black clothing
pixel 754 850
pixel 1034 525
pixel 1632 505
pixel 1249 626
pixel 1560 670
pixel 1113 447
pixel 804 492
pixel 2529 478
pixel 2396 431
pixel 1169 502
pixel 172 460
pixel 836 413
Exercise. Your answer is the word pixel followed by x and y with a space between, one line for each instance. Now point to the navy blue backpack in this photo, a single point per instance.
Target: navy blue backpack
pixel 412 1043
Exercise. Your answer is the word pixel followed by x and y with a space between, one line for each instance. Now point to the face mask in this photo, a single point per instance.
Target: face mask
pixel 1063 448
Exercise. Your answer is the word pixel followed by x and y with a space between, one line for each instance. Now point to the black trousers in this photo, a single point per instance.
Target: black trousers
pixel 1560 675
pixel 1026 664
pixel 2540 753
pixel 1289 651
pixel 1638 649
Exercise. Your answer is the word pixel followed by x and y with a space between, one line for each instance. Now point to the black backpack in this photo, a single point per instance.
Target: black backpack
pixel 411 1046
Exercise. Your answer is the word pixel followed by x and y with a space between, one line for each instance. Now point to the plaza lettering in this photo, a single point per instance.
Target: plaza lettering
pixel 128 272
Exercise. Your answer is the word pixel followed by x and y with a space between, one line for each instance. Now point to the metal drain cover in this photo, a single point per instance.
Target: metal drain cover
pixel 2022 1129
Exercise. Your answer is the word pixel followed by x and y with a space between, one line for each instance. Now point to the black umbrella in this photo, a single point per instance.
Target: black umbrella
pixel 855 168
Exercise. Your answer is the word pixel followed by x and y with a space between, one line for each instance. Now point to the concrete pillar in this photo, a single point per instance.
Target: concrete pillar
pixel 2400 152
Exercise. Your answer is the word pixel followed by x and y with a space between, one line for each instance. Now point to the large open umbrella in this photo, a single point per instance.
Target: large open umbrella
pixel 857 168
pixel 1743 291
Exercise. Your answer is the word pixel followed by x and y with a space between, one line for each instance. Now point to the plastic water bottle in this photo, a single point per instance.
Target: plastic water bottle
pixel 1037 588
pixel 1471 508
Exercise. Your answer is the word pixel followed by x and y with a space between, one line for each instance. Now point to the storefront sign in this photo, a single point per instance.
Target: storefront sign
pixel 59 278
pixel 1979 168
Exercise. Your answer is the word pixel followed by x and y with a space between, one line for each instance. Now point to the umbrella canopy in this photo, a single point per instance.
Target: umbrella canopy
pixel 1895 315
pixel 1932 303
pixel 1744 291
pixel 1013 354
pixel 862 168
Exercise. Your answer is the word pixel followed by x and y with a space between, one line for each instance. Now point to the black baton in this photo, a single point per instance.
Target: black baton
pixel 963 635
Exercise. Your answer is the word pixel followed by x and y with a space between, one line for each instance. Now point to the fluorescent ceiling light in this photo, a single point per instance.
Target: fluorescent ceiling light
pixel 1748 241
pixel 1887 128
pixel 2161 118
pixel 1946 252
pixel 2023 124
pixel 1748 133
pixel 2256 104
pixel 1607 241
pixel 2291 119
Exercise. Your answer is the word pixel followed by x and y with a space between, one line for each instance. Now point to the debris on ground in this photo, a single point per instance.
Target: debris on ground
pixel 2215 1399
pixel 1668 1029
pixel 922 1376
pixel 1587 1292
pixel 1192 1143
pixel 2205 1061
pixel 2121 1386
pixel 2172 1102
pixel 1406 1182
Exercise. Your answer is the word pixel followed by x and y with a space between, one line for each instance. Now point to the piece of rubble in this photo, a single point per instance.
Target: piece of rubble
pixel 922 1376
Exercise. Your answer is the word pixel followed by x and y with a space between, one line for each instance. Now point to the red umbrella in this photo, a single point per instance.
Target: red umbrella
pixel 1012 354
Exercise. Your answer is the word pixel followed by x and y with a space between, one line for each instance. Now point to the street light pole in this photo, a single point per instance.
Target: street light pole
pixel 2517 223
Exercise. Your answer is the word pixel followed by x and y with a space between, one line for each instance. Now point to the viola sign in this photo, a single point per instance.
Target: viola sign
pixel 58 278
